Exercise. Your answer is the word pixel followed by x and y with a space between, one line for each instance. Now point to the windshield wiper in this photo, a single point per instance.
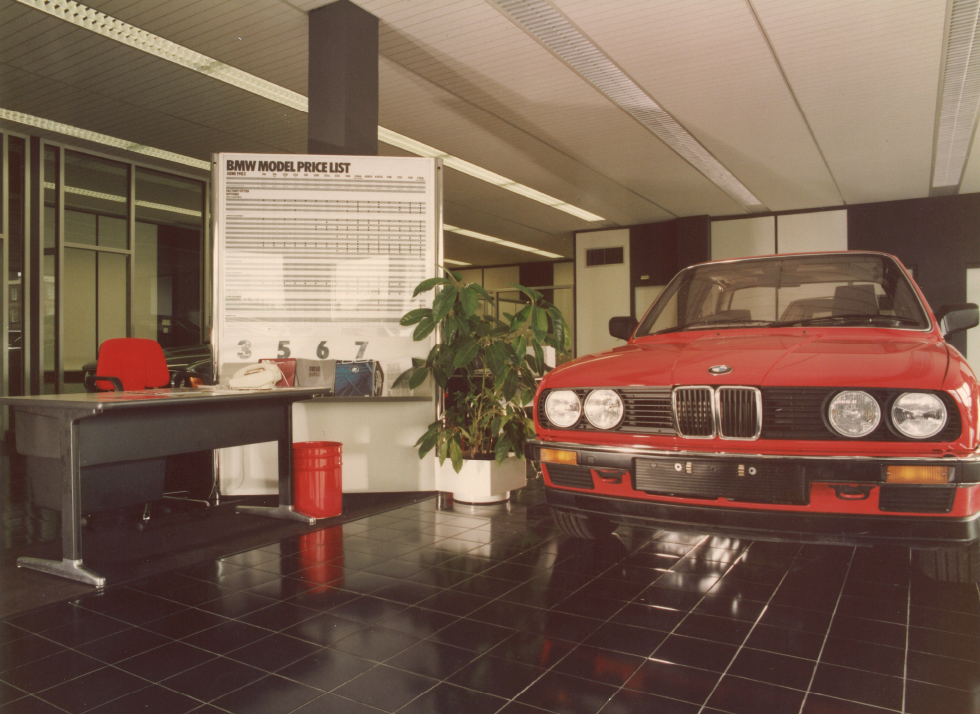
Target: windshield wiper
pixel 856 318
pixel 711 324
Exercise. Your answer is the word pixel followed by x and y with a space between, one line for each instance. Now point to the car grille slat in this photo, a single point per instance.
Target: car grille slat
pixel 705 478
pixel 648 410
pixel 570 476
pixel 916 499
pixel 738 412
pixel 694 411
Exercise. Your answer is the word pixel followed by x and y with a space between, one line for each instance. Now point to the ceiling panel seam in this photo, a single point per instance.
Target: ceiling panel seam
pixel 520 129
pixel 792 93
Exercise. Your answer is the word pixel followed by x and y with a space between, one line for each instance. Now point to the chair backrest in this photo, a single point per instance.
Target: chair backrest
pixel 137 362
pixel 855 300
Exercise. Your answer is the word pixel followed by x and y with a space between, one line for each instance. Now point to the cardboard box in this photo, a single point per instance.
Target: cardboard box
pixel 316 372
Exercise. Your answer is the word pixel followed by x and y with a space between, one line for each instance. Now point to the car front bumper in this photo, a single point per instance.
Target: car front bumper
pixel 837 500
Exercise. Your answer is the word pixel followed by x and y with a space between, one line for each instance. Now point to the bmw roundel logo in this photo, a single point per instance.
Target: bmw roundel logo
pixel 719 369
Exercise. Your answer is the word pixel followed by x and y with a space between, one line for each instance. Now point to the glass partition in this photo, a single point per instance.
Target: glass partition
pixel 169 244
pixel 17 210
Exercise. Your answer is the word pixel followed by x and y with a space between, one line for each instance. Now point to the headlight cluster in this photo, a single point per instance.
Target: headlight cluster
pixel 915 415
pixel 603 408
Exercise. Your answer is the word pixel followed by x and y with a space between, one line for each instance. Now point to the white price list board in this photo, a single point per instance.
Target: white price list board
pixel 317 256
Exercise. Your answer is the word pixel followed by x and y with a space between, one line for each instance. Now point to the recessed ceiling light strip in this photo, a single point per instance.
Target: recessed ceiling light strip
pixel 959 101
pixel 453 162
pixel 122 199
pixel 105 140
pixel 123 32
pixel 498 241
pixel 545 23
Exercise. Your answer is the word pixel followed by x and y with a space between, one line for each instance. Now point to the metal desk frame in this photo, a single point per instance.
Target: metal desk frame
pixel 88 429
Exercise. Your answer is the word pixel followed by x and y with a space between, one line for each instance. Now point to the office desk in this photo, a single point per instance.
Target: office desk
pixel 89 429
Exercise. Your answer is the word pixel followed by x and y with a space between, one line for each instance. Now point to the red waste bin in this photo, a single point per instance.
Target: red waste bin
pixel 317 483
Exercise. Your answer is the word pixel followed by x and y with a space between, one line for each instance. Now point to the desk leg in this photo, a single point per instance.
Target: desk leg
pixel 70 566
pixel 65 568
pixel 285 508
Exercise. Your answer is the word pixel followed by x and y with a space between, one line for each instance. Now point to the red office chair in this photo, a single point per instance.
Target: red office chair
pixel 127 364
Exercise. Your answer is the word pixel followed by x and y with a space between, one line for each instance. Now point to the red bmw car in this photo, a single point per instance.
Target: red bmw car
pixel 808 398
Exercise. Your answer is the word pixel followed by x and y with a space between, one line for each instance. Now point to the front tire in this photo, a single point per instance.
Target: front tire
pixel 952 565
pixel 582 526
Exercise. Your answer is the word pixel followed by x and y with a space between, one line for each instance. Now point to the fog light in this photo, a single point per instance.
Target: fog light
pixel 917 474
pixel 557 456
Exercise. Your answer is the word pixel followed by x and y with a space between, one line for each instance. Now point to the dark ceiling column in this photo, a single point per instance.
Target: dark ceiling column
pixel 343 81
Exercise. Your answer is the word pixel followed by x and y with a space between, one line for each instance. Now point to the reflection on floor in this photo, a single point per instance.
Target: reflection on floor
pixel 491 610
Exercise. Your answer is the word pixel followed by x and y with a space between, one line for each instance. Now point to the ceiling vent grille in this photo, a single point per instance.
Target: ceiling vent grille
pixel 959 99
pixel 561 37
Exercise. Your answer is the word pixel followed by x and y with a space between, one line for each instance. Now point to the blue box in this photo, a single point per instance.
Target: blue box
pixel 358 378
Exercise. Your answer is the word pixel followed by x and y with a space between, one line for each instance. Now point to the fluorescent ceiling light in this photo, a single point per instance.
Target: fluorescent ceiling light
pixel 549 26
pixel 498 241
pixel 114 29
pixel 453 162
pixel 68 130
pixel 122 199
pixel 450 261
pixel 959 98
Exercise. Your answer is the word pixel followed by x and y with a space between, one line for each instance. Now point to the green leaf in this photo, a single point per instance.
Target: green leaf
pixel 521 317
pixel 520 347
pixel 540 323
pixel 403 378
pixel 413 316
pixel 418 376
pixel 428 440
pixel 424 329
pixel 483 293
pixel 466 354
pixel 470 299
pixel 502 449
pixel 533 294
pixel 456 454
pixel 509 387
pixel 538 359
pixel 443 302
pixel 427 285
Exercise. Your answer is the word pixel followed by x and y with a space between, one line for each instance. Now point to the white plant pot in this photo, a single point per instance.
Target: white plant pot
pixel 481 481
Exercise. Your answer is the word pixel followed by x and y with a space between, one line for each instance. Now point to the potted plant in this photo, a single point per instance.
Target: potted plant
pixel 486 369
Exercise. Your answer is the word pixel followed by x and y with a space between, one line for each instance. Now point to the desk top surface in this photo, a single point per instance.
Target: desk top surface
pixel 99 401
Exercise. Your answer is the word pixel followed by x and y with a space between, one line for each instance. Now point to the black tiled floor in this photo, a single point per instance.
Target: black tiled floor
pixel 483 610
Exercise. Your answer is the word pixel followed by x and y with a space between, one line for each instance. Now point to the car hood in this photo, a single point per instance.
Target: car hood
pixel 867 359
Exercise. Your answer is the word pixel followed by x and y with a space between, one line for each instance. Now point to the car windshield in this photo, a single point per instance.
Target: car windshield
pixel 838 289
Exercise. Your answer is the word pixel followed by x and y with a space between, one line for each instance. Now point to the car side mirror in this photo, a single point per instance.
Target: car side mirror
pixel 622 327
pixel 956 318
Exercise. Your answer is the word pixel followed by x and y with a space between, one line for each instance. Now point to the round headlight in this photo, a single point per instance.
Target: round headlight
pixel 563 408
pixel 603 408
pixel 918 415
pixel 854 414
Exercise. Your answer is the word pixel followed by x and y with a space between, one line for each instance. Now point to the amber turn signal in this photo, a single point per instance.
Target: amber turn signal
pixel 917 474
pixel 558 456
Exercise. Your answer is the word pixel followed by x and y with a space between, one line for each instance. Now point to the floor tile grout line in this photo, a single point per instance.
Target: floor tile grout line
pixel 908 628
pixel 701 542
pixel 830 624
pixel 752 629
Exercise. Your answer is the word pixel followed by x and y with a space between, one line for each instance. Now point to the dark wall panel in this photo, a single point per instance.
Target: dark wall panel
pixel 937 237
pixel 659 250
